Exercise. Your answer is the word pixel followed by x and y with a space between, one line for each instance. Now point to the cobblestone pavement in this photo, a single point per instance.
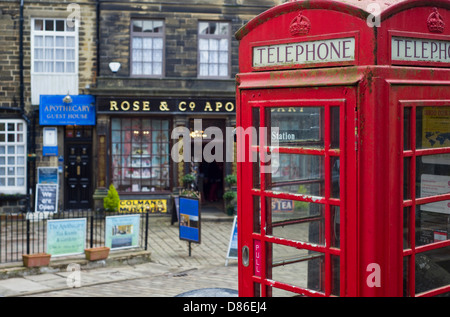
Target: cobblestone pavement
pixel 143 281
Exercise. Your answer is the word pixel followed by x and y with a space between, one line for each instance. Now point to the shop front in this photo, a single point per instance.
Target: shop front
pixel 67 130
pixel 136 135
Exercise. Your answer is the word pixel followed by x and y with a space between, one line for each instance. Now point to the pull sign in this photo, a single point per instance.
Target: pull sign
pixel 258 258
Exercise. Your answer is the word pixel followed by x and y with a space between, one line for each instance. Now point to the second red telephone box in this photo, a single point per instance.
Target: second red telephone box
pixel 344 150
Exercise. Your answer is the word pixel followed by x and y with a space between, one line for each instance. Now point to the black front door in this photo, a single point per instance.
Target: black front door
pixel 78 176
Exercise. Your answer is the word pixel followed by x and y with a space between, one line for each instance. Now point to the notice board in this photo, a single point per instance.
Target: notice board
pixel 122 232
pixel 189 219
pixel 66 236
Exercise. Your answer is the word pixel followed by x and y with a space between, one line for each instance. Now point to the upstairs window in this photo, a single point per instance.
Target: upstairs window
pixel 214 49
pixel 147 48
pixel 54 46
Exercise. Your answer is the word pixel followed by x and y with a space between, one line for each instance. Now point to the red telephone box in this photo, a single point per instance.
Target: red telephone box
pixel 344 149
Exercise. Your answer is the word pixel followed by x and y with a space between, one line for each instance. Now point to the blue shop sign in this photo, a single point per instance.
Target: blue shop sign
pixel 54 111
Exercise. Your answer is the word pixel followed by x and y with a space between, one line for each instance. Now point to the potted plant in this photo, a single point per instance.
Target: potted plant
pixel 112 200
pixel 97 253
pixel 229 197
pixel 189 191
pixel 231 180
pixel 36 260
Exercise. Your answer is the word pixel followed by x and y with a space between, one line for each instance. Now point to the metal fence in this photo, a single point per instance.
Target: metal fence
pixel 27 233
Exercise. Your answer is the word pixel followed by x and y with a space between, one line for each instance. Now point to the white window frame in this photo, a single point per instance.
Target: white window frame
pixel 203 59
pixel 11 161
pixel 54 34
pixel 148 35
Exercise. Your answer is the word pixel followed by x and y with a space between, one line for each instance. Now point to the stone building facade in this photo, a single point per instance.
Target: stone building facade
pixel 176 68
pixel 37 59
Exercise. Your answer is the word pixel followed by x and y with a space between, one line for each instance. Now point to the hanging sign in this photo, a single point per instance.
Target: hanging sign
pixel 66 237
pixel 46 198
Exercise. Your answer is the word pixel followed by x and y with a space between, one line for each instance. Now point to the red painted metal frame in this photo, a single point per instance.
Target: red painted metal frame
pixel 376 94
pixel 345 99
pixel 412 202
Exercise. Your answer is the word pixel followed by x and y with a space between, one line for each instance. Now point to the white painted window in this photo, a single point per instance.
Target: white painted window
pixel 13 156
pixel 55 47
pixel 54 57
pixel 214 49
pixel 147 48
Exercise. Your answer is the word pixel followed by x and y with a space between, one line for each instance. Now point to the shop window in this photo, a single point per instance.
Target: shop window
pixel 214 49
pixel 147 48
pixel 140 155
pixel 13 156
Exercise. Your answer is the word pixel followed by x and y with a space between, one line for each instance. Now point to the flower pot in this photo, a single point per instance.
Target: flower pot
pixel 95 254
pixel 36 260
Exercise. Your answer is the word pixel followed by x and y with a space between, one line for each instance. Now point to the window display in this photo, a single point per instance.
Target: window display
pixel 140 154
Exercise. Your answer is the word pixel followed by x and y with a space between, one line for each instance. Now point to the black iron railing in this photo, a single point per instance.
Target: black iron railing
pixel 27 233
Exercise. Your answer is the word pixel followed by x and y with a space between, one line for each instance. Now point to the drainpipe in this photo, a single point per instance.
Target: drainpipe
pixel 22 104
pixel 98 39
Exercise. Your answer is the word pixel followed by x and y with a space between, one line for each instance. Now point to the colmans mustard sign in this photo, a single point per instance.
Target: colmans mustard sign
pixel 143 206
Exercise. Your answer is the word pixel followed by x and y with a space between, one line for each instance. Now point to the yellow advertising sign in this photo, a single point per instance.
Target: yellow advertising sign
pixel 436 127
pixel 143 205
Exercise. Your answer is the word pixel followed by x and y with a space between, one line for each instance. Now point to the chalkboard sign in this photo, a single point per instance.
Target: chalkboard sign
pixel 46 198
pixel 233 245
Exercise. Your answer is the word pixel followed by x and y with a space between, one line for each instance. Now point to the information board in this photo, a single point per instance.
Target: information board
pixel 122 232
pixel 189 220
pixel 48 175
pixel 46 198
pixel 233 245
pixel 66 236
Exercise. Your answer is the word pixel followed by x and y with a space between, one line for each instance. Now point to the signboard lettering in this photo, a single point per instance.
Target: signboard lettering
pixel 408 49
pixel 66 237
pixel 46 198
pixel 143 205
pixel 53 111
pixel 325 51
pixel 168 105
